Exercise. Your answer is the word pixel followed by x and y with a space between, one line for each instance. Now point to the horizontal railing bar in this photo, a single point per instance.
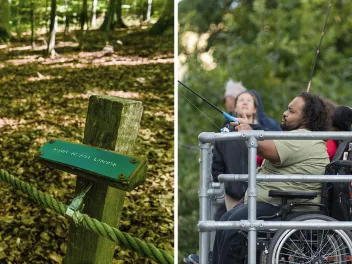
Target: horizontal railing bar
pixel 315 224
pixel 210 137
pixel 287 178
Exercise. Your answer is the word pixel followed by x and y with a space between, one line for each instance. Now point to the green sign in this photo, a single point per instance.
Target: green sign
pixel 120 171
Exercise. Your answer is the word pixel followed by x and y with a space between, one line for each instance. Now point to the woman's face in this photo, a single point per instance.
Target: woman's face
pixel 245 105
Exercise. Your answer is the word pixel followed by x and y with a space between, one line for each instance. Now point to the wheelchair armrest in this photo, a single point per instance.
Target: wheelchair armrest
pixel 293 194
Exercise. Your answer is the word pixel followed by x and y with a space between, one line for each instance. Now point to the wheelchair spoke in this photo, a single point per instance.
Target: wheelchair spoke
pixel 305 247
pixel 293 256
pixel 300 251
pixel 307 243
pixel 322 239
pixel 321 248
pixel 338 246
pixel 294 253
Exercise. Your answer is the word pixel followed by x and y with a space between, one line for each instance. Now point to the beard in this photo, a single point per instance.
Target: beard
pixel 284 126
pixel 289 127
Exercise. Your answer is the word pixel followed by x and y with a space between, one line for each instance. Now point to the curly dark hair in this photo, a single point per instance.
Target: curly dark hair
pixel 315 112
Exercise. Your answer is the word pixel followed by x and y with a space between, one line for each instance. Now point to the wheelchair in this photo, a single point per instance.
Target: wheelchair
pixel 302 246
pixel 292 246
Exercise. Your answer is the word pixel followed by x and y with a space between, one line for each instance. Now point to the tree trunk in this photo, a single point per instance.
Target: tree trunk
pixel 149 12
pixel 67 25
pixel 18 19
pixel 4 20
pixel 110 21
pixel 32 25
pixel 94 13
pixel 45 15
pixel 53 25
pixel 109 16
pixel 166 21
pixel 67 19
pixel 119 23
pixel 83 20
pixel 144 10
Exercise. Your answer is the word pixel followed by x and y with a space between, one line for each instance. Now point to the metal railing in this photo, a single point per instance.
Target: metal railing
pixel 206 225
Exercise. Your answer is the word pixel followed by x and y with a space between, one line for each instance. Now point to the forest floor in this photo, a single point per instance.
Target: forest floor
pixel 42 98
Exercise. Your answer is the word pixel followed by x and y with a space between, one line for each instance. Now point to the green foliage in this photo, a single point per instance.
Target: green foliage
pixel 270 47
pixel 44 98
pixel 132 13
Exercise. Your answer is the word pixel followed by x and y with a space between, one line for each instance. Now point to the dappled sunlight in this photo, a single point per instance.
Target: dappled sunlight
pixel 86 59
pixel 147 134
pixel 21 48
pixel 69 176
pixel 131 95
pixel 61 44
pixel 41 140
pixel 23 60
pixel 10 122
pixel 42 77
pixel 58 44
pixel 69 121
pixel 168 116
pixel 80 96
pixel 122 94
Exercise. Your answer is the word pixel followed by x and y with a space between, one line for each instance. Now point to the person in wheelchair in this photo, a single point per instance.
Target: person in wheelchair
pixel 306 112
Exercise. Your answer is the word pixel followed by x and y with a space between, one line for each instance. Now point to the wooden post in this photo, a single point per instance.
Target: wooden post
pixel 112 123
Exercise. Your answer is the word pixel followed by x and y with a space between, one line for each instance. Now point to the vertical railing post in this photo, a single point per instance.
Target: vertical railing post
pixel 112 123
pixel 204 200
pixel 252 199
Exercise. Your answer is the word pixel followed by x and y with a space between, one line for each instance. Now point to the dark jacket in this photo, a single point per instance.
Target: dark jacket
pixel 231 157
pixel 267 123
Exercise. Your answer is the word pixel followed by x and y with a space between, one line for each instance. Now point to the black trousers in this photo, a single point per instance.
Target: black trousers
pixel 229 244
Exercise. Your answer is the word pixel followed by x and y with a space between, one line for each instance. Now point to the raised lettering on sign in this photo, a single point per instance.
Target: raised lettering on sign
pixel 84 156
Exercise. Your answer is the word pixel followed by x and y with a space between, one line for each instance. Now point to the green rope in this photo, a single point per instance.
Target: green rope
pixel 121 238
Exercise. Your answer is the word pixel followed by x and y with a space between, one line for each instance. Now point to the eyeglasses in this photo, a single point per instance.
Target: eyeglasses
pixel 248 101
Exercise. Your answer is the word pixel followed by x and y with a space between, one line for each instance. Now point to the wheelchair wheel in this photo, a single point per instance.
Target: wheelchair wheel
pixel 310 246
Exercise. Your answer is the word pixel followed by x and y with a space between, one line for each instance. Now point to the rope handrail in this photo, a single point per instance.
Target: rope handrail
pixel 103 229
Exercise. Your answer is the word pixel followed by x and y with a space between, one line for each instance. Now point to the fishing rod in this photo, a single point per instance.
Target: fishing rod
pixel 226 115
pixel 318 50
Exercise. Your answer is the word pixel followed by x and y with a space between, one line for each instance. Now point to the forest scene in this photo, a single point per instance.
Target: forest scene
pixel 269 46
pixel 54 55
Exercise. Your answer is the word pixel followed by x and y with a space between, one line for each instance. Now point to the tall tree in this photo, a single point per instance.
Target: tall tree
pixel 67 18
pixel 4 20
pixel 109 16
pixel 166 21
pixel 94 13
pixel 119 21
pixel 113 17
pixel 83 21
pixel 52 32
pixel 32 24
pixel 149 12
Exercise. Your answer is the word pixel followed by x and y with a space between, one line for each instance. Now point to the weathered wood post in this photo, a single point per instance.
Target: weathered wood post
pixel 112 123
